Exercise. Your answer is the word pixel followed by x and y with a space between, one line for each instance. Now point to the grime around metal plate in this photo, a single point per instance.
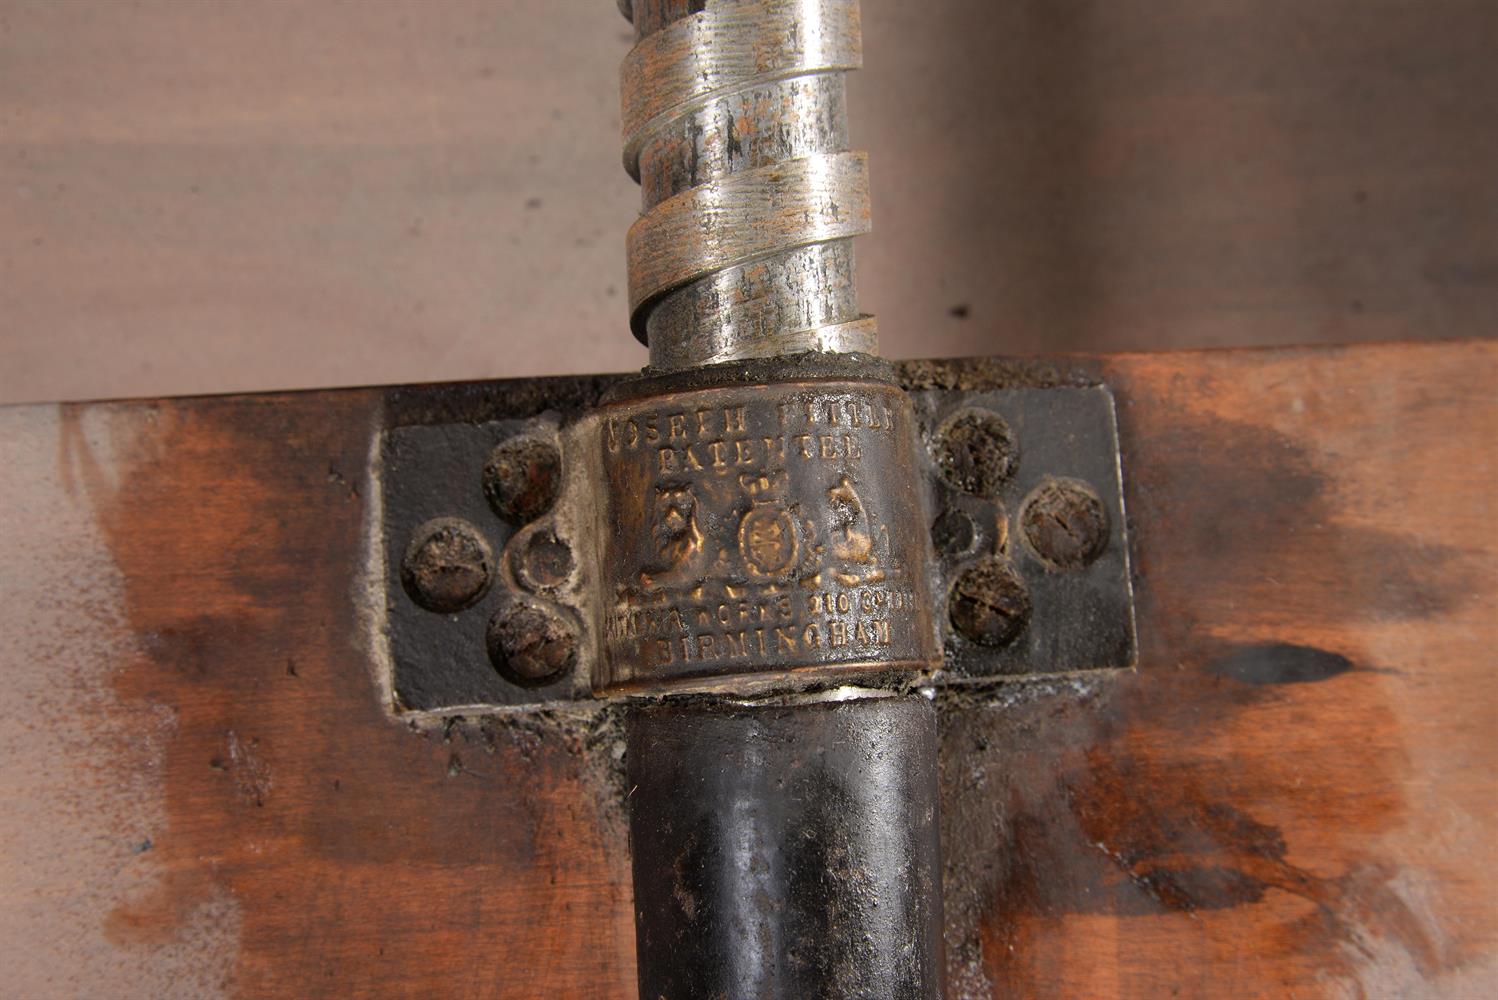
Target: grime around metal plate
pixel 750 529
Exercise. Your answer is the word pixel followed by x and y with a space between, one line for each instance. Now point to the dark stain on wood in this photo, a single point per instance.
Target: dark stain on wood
pixel 1247 511
pixel 1137 808
pixel 1103 799
pixel 1279 663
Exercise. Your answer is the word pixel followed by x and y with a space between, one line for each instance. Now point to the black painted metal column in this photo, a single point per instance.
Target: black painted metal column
pixel 786 851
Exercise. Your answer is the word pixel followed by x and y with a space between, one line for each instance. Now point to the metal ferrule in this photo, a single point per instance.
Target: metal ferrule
pixel 735 125
pixel 761 535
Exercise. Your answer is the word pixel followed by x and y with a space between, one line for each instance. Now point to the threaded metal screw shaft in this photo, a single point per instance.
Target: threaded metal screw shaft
pixel 735 125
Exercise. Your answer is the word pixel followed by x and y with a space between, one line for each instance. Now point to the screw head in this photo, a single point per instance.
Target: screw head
pixel 531 645
pixel 1064 523
pixel 521 478
pixel 447 565
pixel 545 562
pixel 954 533
pixel 976 452
pixel 990 604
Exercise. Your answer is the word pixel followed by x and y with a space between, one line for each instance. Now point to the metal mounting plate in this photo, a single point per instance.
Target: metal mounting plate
pixel 1021 485
pixel 1062 449
pixel 439 657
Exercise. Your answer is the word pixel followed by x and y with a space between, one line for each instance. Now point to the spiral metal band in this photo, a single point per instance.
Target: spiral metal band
pixel 735 126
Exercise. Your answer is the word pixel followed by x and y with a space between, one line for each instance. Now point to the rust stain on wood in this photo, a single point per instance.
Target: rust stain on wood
pixel 347 841
pixel 1293 794
pixel 1236 817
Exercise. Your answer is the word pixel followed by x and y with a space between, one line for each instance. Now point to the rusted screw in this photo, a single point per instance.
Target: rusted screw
pixel 976 453
pixel 521 478
pixel 954 533
pixel 531 645
pixel 1065 523
pixel 447 565
pixel 545 562
pixel 990 604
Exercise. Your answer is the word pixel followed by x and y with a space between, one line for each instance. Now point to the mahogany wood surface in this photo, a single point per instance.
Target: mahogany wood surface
pixel 1293 794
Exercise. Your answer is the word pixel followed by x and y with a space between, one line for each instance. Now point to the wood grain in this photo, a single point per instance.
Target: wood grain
pixel 1293 795
pixel 212 198
pixel 282 828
